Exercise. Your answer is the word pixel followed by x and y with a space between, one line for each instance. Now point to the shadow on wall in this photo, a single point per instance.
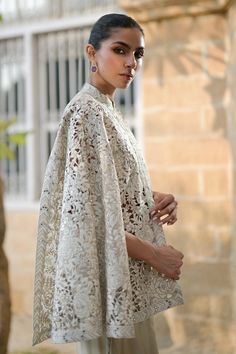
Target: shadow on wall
pixel 187 64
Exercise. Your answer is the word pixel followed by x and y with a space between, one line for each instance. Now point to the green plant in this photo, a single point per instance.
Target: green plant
pixel 7 138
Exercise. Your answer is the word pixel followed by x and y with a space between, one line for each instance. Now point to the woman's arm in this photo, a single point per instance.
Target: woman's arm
pixel 165 259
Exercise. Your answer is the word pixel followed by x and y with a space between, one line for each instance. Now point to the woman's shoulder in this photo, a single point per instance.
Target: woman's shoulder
pixel 83 113
pixel 83 104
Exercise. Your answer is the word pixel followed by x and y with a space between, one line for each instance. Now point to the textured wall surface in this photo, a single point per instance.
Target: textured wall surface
pixel 189 121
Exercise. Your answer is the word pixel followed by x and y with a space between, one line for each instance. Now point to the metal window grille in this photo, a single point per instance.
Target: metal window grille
pixel 63 69
pixel 12 105
pixel 49 68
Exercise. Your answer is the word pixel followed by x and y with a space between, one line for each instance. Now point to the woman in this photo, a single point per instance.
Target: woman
pixel 103 267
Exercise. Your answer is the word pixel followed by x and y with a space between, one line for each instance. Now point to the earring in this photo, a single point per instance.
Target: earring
pixel 94 68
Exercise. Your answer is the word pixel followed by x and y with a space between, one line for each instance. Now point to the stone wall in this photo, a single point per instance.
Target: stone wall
pixel 232 136
pixel 189 122
pixel 20 247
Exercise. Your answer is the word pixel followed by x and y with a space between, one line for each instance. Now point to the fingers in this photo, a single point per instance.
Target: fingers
pixel 177 264
pixel 173 275
pixel 162 200
pixel 176 273
pixel 178 253
pixel 169 219
pixel 165 210
pixel 168 210
pixel 165 200
pixel 168 216
pixel 169 261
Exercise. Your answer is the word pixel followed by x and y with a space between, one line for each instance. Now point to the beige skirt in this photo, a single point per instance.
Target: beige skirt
pixel 143 343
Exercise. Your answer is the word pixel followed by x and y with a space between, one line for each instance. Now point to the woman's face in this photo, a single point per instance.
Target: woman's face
pixel 118 59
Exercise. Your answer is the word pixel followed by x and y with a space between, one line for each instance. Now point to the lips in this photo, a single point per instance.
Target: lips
pixel 128 76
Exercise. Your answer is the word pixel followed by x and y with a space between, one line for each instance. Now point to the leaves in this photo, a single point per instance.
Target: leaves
pixel 8 139
pixel 5 124
pixel 18 139
pixel 5 151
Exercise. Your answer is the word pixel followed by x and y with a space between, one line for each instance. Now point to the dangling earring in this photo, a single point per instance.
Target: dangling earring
pixel 94 68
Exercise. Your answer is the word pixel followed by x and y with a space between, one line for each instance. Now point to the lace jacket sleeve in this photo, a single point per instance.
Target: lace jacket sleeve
pixel 82 283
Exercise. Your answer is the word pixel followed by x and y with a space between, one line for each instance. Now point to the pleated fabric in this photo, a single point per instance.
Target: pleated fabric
pixel 144 342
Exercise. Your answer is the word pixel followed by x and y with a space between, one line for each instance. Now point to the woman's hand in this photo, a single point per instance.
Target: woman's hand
pixel 166 260
pixel 165 209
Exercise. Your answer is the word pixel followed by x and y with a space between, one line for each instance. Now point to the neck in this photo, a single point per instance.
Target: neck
pixel 103 87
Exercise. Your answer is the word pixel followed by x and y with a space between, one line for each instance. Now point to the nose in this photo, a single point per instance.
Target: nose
pixel 131 62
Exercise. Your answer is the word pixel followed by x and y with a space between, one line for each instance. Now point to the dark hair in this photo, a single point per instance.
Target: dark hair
pixel 102 29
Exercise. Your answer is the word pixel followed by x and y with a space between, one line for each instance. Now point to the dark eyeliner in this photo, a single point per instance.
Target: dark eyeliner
pixel 139 54
pixel 118 50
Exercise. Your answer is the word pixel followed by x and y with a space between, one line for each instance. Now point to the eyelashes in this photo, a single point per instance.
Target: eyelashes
pixel 138 54
pixel 119 50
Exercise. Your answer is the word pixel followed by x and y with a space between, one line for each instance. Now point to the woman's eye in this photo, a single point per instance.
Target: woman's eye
pixel 119 50
pixel 139 55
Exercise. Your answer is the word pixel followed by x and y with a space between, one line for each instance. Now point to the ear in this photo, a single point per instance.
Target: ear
pixel 90 51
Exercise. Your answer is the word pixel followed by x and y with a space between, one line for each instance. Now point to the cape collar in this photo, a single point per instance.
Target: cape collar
pixel 98 95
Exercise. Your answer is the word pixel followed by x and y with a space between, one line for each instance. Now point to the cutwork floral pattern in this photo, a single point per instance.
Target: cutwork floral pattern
pixel 96 186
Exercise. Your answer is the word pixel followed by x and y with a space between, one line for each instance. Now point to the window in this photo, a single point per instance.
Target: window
pixel 12 105
pixel 39 74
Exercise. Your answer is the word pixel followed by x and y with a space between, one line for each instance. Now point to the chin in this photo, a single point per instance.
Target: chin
pixel 124 85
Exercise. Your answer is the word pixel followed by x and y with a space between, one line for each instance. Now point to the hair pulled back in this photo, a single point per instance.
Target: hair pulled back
pixel 102 29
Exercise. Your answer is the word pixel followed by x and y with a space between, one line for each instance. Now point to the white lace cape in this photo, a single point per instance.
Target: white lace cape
pixel 96 186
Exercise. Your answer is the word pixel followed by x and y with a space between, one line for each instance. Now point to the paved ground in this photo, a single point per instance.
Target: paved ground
pixel 21 338
pixel 21 334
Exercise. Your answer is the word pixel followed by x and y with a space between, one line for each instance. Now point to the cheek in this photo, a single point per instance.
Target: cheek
pixel 109 60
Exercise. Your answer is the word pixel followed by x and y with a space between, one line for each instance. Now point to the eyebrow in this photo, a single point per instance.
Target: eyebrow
pixel 126 45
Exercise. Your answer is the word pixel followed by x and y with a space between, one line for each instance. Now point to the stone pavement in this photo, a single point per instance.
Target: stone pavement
pixel 21 339
pixel 21 336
